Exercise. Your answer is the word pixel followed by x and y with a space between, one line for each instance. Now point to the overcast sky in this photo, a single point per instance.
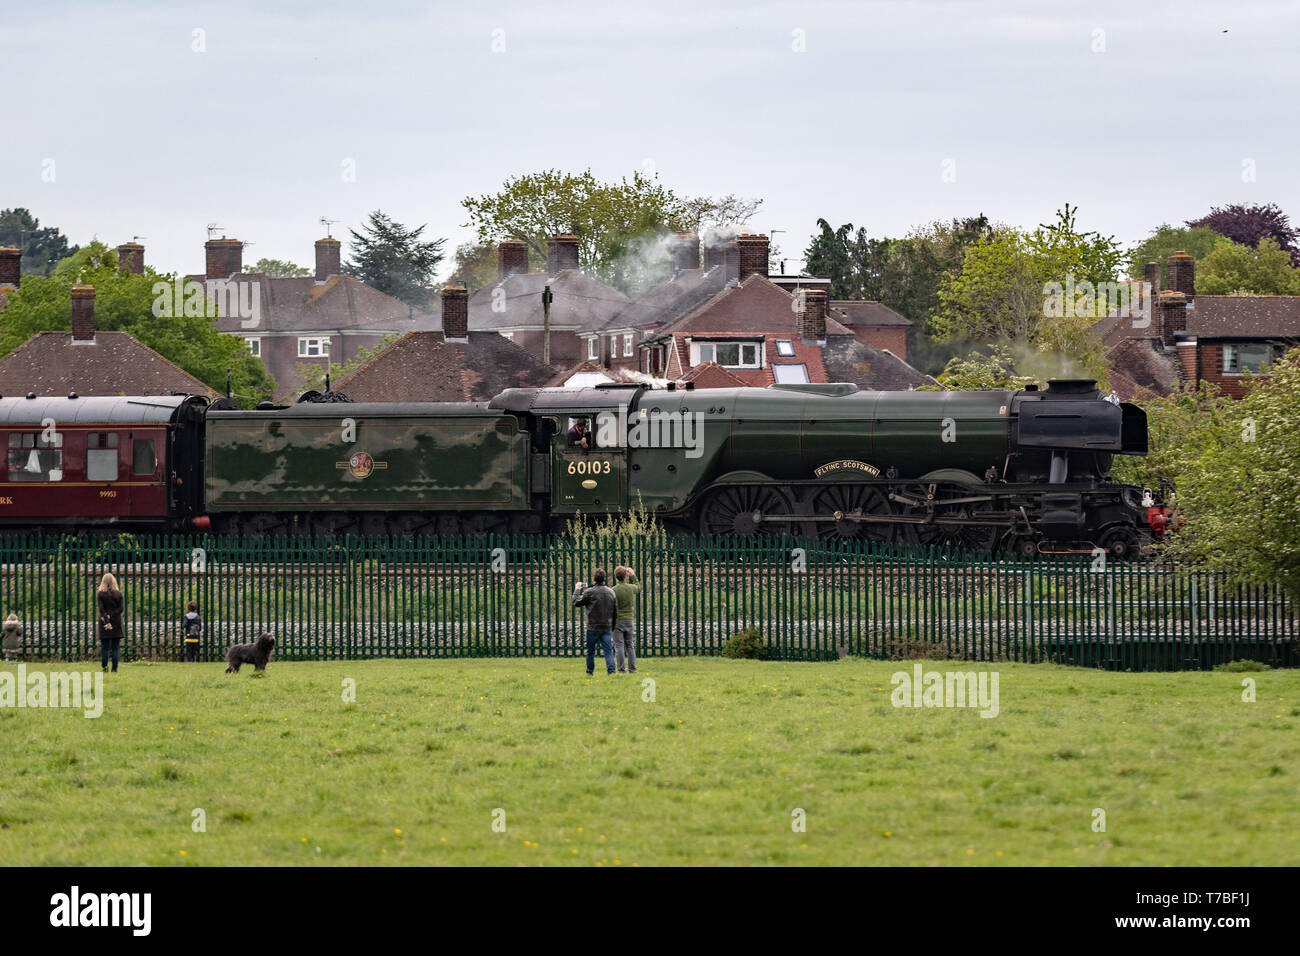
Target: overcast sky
pixel 1139 113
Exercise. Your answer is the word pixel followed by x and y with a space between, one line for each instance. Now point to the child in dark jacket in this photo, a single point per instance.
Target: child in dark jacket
pixel 192 632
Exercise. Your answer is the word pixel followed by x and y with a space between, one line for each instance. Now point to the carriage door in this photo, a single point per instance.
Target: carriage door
pixel 590 479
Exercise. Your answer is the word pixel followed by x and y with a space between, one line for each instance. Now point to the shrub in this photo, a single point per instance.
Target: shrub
pixel 748 644
pixel 913 649
pixel 1234 667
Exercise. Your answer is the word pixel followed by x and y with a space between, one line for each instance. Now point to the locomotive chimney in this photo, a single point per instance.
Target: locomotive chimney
pixel 11 266
pixel 812 320
pixel 1173 315
pixel 751 252
pixel 328 258
pixel 130 257
pixel 512 258
pixel 455 314
pixel 561 253
pixel 1182 274
pixel 225 257
pixel 83 314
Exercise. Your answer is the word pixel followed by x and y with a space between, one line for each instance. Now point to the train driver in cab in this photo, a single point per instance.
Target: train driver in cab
pixel 578 436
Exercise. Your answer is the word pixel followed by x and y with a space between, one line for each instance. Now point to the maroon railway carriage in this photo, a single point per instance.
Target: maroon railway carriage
pixel 83 462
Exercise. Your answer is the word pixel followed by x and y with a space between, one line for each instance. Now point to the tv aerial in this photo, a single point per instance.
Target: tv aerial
pixel 327 223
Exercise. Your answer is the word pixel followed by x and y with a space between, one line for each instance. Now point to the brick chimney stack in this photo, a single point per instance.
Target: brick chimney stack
pixel 1151 274
pixel 714 255
pixel 753 256
pixel 684 251
pixel 329 258
pixel 812 321
pixel 455 314
pixel 512 258
pixel 1182 274
pixel 561 253
pixel 1173 315
pixel 225 257
pixel 130 257
pixel 11 266
pixel 731 260
pixel 83 313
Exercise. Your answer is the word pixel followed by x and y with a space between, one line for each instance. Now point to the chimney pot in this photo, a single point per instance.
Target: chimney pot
pixel 225 257
pixel 512 258
pixel 561 253
pixel 11 266
pixel 328 258
pixel 130 257
pixel 83 313
pixel 455 313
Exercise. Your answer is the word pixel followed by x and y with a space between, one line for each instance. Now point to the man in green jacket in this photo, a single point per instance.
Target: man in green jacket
pixel 626 589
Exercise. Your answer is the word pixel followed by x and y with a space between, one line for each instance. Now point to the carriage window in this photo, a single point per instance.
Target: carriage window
pixel 33 457
pixel 101 464
pixel 144 462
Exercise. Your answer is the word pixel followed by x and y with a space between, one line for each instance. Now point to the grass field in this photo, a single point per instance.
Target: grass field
pixel 710 771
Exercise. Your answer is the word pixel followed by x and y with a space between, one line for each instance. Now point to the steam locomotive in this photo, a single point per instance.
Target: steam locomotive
pixel 1025 471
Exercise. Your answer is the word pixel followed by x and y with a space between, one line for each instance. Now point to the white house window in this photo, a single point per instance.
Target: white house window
pixel 790 374
pixel 727 354
pixel 313 347
pixel 254 345
pixel 627 345
pixel 593 348
pixel 784 348
pixel 1246 357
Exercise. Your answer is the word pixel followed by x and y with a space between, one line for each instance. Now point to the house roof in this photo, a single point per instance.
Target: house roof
pixel 1250 316
pixel 1137 369
pixel 115 363
pixel 670 300
pixel 341 303
pixel 866 312
pixel 425 367
pixel 713 375
pixel 849 359
pixel 754 307
pixel 580 302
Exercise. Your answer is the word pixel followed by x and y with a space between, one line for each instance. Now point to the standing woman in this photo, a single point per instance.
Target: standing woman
pixel 110 619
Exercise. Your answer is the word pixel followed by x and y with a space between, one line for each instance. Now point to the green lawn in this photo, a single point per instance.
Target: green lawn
pixel 587 772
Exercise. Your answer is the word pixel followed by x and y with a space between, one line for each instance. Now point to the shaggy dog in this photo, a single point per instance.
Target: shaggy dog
pixel 256 654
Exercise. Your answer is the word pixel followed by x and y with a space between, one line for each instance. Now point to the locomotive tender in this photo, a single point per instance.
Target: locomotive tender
pixel 996 470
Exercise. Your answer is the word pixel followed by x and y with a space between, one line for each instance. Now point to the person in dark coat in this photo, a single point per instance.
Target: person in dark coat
pixel 109 598
pixel 601 605
pixel 192 631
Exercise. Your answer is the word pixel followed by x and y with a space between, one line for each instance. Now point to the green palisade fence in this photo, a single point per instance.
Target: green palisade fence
pixel 327 599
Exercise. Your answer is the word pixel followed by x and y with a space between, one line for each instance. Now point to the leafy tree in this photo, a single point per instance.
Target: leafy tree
pixel 312 376
pixel 1198 242
pixel 280 269
pixel 476 265
pixel 620 225
pixel 124 302
pixel 1263 270
pixel 42 246
pixel 1236 489
pixel 392 258
pixel 1249 224
pixel 1002 293
pixel 978 371
pixel 1179 427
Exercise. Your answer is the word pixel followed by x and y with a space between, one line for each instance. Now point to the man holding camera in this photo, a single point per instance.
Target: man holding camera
pixel 601 605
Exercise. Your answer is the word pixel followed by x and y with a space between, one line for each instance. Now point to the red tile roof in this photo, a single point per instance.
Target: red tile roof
pixel 114 363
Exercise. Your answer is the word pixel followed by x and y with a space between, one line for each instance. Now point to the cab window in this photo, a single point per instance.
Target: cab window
pixel 101 456
pixel 35 457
